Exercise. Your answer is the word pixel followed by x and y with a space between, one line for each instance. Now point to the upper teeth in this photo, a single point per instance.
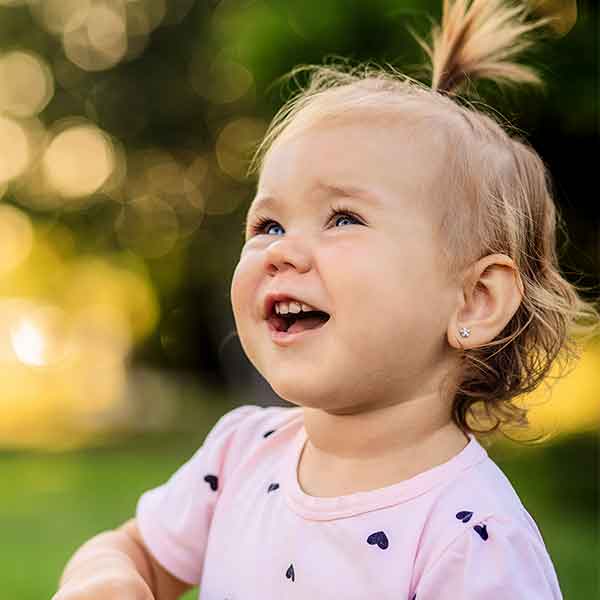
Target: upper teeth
pixel 282 308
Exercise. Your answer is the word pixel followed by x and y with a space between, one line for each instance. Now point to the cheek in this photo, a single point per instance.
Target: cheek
pixel 378 293
pixel 243 284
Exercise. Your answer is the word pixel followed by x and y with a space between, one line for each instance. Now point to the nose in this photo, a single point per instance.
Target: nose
pixel 284 254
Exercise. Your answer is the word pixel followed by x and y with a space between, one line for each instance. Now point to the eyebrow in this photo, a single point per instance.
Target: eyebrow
pixel 348 191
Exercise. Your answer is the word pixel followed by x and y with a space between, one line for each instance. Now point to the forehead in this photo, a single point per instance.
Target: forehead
pixel 382 157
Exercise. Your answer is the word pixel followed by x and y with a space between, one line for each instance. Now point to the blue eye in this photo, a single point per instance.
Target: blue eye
pixel 344 216
pixel 269 224
pixel 263 225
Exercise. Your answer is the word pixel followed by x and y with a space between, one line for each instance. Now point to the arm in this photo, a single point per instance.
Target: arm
pixel 117 564
pixel 165 586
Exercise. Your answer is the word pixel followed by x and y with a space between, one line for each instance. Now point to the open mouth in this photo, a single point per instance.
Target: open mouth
pixel 297 322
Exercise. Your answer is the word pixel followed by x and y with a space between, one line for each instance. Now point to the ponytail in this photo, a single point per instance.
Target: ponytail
pixel 477 42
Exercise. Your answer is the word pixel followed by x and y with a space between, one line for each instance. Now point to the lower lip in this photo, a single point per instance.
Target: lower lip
pixel 283 338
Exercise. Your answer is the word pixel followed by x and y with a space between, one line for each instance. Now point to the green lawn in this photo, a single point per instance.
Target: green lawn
pixel 52 503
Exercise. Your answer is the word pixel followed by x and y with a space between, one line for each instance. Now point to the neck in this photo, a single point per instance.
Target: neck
pixel 407 437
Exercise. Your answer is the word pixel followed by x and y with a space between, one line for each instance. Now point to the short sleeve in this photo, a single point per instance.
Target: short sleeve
pixel 495 559
pixel 174 519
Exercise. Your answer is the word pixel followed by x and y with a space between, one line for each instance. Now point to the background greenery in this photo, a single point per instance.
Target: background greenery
pixel 130 268
pixel 51 503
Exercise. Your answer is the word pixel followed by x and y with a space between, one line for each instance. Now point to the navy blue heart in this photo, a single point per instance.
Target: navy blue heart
pixel 268 433
pixel 213 481
pixel 290 573
pixel 464 515
pixel 273 486
pixel 378 538
pixel 482 531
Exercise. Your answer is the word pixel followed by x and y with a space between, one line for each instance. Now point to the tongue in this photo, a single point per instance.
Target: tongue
pixel 305 323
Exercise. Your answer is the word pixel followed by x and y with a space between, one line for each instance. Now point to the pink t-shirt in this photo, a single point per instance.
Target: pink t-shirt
pixel 234 520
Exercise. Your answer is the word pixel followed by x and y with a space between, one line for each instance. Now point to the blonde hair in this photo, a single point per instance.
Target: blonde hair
pixel 502 200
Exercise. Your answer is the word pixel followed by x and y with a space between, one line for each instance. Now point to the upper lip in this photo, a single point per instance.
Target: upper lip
pixel 272 297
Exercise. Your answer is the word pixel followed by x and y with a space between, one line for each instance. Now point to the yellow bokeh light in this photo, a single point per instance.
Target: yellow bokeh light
pixel 36 333
pixel 67 325
pixel 15 149
pixel 103 324
pixel 60 16
pixel 564 13
pixel 78 161
pixel 16 238
pixel 107 31
pixel 28 342
pixel 148 225
pixel 95 282
pixel 27 84
pixel 101 42
pixel 235 144
pixel 155 173
pixel 573 403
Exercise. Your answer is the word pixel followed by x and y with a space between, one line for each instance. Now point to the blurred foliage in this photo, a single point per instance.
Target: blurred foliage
pixel 125 133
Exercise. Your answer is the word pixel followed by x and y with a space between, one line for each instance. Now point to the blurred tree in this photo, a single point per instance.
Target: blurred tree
pixel 179 91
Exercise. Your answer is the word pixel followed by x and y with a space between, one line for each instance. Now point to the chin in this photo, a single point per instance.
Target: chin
pixel 299 391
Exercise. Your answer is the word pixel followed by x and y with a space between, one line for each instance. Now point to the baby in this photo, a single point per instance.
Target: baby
pixel 398 284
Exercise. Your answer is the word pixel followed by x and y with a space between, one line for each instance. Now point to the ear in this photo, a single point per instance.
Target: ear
pixel 491 293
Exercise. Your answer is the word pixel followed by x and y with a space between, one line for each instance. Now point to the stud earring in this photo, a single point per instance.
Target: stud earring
pixel 464 332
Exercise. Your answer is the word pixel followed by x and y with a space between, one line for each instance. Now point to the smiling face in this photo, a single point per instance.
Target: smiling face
pixel 374 266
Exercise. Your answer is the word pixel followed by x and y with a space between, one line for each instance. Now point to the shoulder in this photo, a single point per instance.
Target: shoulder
pixel 479 538
pixel 244 434
pixel 479 501
pixel 493 556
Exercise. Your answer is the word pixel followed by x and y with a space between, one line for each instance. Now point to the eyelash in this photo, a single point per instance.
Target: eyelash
pixel 260 223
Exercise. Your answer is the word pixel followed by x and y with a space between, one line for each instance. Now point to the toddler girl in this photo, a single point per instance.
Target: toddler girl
pixel 398 284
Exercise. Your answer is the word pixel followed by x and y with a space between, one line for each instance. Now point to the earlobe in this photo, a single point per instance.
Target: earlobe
pixel 491 294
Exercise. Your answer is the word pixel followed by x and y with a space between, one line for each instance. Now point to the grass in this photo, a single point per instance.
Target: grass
pixel 51 504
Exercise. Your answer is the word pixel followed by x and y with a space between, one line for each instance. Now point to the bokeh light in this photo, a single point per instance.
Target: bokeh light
pixel 67 325
pixel 148 225
pixel 16 238
pixel 100 282
pixel 180 184
pixel 79 160
pixel 60 16
pixel 564 13
pixel 28 343
pixel 571 403
pixel 27 84
pixel 38 336
pixel 15 149
pixel 225 81
pixel 97 35
pixel 236 143
pixel 101 42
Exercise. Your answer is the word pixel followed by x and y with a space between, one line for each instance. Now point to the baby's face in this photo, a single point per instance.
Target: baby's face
pixel 374 267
